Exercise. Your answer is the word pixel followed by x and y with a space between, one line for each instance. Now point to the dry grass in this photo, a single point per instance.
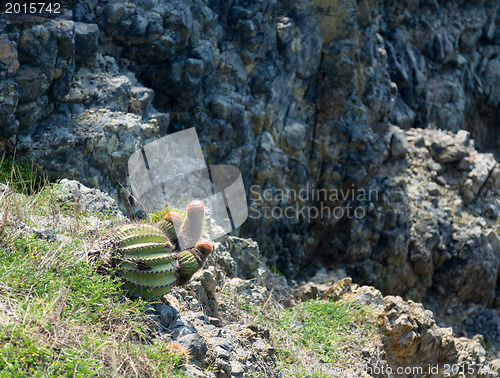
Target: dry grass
pixel 3 213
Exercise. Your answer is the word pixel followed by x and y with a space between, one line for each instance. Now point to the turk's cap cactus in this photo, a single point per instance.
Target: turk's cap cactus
pixel 150 258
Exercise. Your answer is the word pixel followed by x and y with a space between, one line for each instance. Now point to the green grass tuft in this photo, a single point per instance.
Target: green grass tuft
pixel 313 338
pixel 64 317
pixel 326 327
pixel 21 176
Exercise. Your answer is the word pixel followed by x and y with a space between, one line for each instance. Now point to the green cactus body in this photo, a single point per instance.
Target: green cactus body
pixel 188 264
pixel 168 228
pixel 131 240
pixel 136 291
pixel 170 224
pixel 146 250
pixel 147 256
pixel 146 259
pixel 158 265
pixel 149 280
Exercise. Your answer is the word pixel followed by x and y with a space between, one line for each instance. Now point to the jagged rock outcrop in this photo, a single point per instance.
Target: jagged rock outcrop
pixel 410 337
pixel 213 328
pixel 443 56
pixel 413 344
pixel 430 227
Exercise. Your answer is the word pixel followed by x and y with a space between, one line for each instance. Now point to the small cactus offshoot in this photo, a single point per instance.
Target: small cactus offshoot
pixel 150 258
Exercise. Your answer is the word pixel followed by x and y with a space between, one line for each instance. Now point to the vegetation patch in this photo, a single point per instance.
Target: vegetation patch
pixel 58 315
pixel 318 337
pixel 21 175
pixel 61 317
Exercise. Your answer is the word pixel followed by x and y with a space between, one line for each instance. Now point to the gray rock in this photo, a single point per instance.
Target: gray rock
pixel 223 367
pixel 84 12
pixel 167 315
pixel 293 139
pixel 32 83
pixel 207 279
pixel 65 63
pixel 411 237
pixel 140 103
pixel 493 181
pixel 481 171
pixel 86 41
pixel 376 247
pixel 366 295
pixel 29 113
pixel 466 164
pixel 210 330
pixel 38 47
pixel 9 62
pixel 406 65
pixel 9 97
pixel 161 119
pixel 195 372
pixel 445 103
pixel 245 253
pixel 472 271
pixel 219 347
pixel 444 149
pixel 402 115
pixel 222 257
pixel 237 369
pixel 485 322
pixel 196 347
pixel 181 330
pixel 399 144
pixel 492 211
pixel 309 290
pixel 45 234
pixel 412 337
pixel 91 199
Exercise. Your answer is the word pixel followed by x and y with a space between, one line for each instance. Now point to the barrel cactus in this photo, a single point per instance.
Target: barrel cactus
pixel 150 258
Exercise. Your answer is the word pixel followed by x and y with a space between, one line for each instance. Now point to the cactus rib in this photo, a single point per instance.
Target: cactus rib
pixel 149 280
pixel 146 249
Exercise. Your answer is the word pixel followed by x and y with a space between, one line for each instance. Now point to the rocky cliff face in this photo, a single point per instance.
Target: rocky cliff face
pixel 298 95
pixel 444 58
